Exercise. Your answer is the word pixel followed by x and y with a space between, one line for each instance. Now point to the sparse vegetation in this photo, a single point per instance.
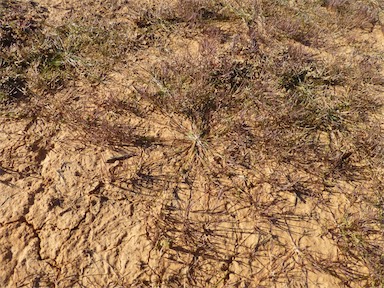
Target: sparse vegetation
pixel 254 132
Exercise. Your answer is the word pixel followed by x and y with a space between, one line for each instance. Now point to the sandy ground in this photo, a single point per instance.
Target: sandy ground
pixel 73 216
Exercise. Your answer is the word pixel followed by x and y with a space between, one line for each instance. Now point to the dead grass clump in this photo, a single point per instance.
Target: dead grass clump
pixel 21 27
pixel 282 21
pixel 297 28
pixel 193 13
pixel 38 58
pixel 18 21
pixel 12 87
pixel 355 14
pixel 201 11
pixel 82 49
pixel 360 238
pixel 195 88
